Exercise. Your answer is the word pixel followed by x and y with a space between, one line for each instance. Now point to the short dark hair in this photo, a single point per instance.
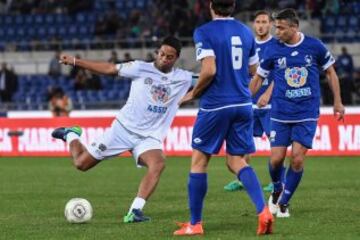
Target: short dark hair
pixel 223 7
pixel 287 14
pixel 262 12
pixel 173 42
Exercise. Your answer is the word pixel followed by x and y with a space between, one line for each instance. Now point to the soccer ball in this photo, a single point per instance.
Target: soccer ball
pixel 78 210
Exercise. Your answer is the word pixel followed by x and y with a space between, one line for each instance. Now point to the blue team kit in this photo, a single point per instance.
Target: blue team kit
pixel 296 95
pixel 226 104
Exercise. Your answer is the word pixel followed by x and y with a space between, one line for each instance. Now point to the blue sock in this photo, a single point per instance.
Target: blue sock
pixel 252 186
pixel 197 188
pixel 292 181
pixel 275 174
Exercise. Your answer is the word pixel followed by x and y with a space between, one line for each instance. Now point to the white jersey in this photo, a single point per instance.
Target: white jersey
pixel 153 99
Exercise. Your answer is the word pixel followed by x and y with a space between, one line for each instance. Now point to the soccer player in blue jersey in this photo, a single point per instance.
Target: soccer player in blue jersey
pixel 226 49
pixel 295 61
pixel 261 101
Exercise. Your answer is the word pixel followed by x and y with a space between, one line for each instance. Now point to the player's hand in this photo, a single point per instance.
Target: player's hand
pixel 187 98
pixel 263 100
pixel 339 111
pixel 66 59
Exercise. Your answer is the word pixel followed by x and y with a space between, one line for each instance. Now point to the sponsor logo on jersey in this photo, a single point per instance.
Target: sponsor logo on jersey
pixel 197 140
pixel 282 62
pixel 160 93
pixel 295 53
pixel 296 77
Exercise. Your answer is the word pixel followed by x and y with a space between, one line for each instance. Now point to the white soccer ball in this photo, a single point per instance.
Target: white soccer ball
pixel 78 210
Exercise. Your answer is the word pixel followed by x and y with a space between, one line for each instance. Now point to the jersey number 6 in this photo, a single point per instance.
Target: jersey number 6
pixel 236 52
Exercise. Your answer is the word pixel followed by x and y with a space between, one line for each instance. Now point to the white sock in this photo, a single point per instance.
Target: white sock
pixel 71 137
pixel 138 203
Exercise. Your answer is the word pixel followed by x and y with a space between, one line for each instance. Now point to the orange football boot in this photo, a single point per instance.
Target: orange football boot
pixel 186 229
pixel 265 222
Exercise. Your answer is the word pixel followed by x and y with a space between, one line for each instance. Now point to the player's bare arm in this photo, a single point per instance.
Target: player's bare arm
pixel 94 66
pixel 255 84
pixel 333 80
pixel 265 97
pixel 207 73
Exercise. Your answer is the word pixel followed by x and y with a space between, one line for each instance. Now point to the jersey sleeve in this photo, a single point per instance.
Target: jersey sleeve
pixel 324 57
pixel 266 64
pixel 128 69
pixel 254 57
pixel 202 45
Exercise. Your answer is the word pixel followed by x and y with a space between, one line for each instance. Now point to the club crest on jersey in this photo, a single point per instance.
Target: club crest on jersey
pixel 160 93
pixel 296 77
pixel 282 62
pixel 308 60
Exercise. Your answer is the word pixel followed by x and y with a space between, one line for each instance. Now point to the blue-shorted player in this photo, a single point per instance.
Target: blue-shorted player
pixel 226 49
pixel 261 100
pixel 295 61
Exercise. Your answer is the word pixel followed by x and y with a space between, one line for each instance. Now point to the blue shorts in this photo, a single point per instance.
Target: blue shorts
pixel 283 134
pixel 261 122
pixel 233 124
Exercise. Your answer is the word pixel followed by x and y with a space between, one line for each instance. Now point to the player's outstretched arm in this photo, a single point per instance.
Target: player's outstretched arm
pixel 333 81
pixel 265 97
pixel 93 66
pixel 255 84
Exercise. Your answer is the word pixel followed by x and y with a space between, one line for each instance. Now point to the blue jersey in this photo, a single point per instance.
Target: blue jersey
pixel 233 45
pixel 260 49
pixel 295 68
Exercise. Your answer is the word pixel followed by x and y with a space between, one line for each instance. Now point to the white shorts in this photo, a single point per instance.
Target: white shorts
pixel 118 139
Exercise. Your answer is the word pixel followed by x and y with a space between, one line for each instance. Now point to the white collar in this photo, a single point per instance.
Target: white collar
pixel 263 41
pixel 223 18
pixel 302 37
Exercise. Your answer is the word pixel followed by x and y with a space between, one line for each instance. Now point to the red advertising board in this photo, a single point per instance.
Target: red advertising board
pixel 332 137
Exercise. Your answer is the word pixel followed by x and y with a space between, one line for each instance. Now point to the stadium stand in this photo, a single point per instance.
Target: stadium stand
pixel 47 26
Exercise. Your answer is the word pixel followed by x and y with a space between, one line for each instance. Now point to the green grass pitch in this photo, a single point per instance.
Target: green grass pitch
pixel 33 193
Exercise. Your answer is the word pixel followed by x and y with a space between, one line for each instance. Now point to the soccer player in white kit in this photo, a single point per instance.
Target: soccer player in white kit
pixel 142 124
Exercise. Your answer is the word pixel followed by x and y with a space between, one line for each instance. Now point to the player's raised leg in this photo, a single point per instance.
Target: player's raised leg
pixel 82 159
pixel 154 160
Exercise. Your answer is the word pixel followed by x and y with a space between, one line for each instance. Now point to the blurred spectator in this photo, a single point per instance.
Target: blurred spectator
pixel 55 66
pixel 8 83
pixel 149 57
pixel 114 57
pixel 59 103
pixel 357 85
pixel 345 68
pixel 85 80
pixel 74 71
pixel 127 57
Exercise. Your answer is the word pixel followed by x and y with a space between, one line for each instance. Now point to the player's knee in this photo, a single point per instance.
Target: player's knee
pixel 157 166
pixel 297 162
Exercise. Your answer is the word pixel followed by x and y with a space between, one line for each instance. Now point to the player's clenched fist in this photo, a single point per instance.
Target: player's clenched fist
pixel 67 59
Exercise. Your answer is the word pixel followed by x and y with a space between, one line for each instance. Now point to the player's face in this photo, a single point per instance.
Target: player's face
pixel 284 30
pixel 166 57
pixel 262 25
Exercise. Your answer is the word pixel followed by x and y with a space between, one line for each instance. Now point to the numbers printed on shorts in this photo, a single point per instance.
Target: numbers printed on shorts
pixel 156 109
pixel 236 52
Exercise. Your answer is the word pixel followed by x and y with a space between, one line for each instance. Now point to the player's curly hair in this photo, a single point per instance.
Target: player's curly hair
pixel 173 42
pixel 223 7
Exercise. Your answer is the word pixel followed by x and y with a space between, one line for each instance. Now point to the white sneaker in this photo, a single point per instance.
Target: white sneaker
pixel 283 211
pixel 272 207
